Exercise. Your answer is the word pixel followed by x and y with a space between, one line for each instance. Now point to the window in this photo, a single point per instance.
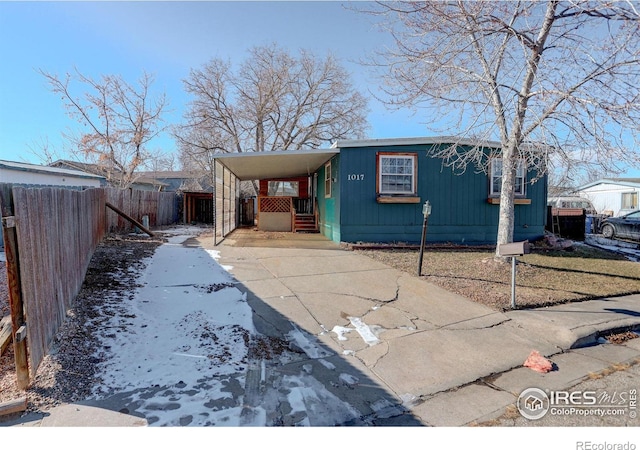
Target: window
pixel 327 180
pixel 397 174
pixel 630 200
pixel 496 178
pixel 283 189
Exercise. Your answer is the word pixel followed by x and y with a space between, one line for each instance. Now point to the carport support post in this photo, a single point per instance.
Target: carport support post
pixel 513 282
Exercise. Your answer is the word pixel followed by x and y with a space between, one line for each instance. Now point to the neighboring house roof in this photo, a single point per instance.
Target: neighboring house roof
pixel 631 182
pixel 173 180
pixel 99 170
pixel 193 185
pixel 35 168
pixel 167 174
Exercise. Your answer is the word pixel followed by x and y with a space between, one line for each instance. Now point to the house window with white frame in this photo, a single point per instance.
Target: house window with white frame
pixel 495 183
pixel 327 180
pixel 283 188
pixel 397 174
pixel 629 200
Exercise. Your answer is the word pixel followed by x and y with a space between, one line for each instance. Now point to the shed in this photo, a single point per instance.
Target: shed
pixel 612 196
pixel 374 190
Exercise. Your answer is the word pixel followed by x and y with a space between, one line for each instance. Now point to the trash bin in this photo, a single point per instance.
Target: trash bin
pixel 588 224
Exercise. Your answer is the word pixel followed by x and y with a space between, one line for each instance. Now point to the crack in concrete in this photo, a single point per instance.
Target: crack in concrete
pixel 484 327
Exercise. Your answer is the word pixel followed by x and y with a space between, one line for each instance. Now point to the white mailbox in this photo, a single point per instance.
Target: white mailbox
pixel 514 249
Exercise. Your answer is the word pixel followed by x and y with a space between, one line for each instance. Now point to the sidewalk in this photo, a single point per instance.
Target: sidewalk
pixel 394 348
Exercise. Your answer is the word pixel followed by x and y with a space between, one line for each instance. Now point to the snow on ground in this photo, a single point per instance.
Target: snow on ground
pixel 178 352
pixel 629 249
pixel 181 340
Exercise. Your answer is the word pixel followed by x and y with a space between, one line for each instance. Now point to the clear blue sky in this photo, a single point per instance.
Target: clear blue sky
pixel 166 39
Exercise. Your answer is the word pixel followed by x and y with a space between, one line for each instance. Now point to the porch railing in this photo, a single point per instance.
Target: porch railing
pixel 303 205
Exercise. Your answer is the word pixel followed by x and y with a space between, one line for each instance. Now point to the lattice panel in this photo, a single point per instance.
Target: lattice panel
pixel 275 204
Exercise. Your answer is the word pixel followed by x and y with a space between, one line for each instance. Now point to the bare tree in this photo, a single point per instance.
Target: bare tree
pixel 119 120
pixel 161 161
pixel 274 101
pixel 555 83
pixel 43 150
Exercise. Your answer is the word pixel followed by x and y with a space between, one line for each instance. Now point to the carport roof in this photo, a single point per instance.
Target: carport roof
pixel 276 164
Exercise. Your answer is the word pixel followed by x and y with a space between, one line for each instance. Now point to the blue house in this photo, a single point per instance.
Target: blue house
pixel 373 191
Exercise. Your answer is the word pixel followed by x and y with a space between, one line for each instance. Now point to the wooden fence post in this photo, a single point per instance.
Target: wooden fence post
pixel 15 295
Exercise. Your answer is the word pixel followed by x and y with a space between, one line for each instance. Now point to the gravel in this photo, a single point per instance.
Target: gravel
pixel 4 291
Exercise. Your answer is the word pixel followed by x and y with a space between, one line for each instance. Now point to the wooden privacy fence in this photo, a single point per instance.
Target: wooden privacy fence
pixel 50 235
pixel 159 207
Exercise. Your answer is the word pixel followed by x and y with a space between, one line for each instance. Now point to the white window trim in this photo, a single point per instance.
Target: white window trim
pixel 414 173
pixel 523 176
pixel 634 207
pixel 281 193
pixel 327 180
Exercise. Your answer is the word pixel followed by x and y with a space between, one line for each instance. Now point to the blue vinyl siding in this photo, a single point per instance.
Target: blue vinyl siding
pixel 460 211
pixel 329 207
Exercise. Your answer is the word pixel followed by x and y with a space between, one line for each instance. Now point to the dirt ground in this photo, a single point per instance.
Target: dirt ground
pixel 547 276
pixel 67 374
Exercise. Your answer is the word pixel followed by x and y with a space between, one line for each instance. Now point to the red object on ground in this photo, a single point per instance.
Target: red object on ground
pixel 539 363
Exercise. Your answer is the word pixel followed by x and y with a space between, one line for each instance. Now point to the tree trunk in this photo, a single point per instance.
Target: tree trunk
pixel 507 212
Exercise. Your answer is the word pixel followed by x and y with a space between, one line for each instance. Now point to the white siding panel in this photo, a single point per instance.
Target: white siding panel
pixel 26 177
pixel 608 197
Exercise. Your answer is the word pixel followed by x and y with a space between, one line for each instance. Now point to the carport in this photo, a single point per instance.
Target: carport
pixel 233 168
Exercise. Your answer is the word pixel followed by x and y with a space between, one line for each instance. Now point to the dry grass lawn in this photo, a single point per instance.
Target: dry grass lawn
pixel 544 277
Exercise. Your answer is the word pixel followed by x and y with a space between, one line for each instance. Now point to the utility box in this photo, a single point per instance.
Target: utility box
pixel 514 249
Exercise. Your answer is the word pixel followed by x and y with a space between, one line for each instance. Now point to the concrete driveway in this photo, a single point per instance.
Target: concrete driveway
pixel 412 339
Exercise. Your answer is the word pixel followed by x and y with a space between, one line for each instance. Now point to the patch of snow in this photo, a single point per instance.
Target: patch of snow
pixel 408 399
pixel 349 379
pixel 307 343
pixel 327 364
pixel 178 355
pixel 364 330
pixel 322 408
pixel 215 254
pixel 172 337
pixel 341 331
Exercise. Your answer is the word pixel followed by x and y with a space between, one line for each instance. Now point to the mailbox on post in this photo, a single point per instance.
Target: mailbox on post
pixel 512 250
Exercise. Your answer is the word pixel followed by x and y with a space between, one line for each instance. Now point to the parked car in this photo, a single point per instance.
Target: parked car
pixel 570 202
pixel 622 227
